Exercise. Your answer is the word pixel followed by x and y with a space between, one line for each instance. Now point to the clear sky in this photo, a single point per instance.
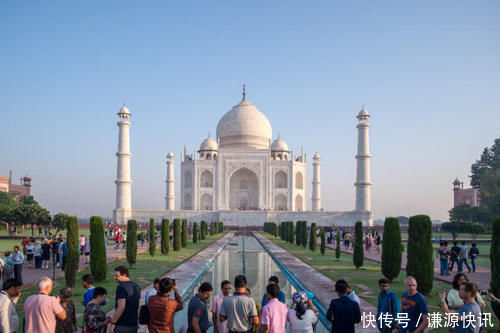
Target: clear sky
pixel 427 71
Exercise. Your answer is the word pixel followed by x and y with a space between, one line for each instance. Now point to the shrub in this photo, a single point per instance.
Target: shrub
pixel 203 230
pixel 98 266
pixel 420 264
pixel 131 242
pixel 290 232
pixel 358 256
pixel 165 236
pixel 177 234
pixel 298 233
pixel 495 264
pixel 152 237
pixel 184 233
pixel 312 237
pixel 323 241
pixel 304 234
pixel 391 249
pixel 337 245
pixel 72 251
pixel 195 233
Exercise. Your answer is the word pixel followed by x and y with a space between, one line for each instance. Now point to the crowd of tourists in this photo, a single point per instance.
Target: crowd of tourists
pixel 458 255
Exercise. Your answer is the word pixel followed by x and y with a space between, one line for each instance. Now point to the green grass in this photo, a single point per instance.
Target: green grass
pixel 368 275
pixel 448 236
pixel 143 273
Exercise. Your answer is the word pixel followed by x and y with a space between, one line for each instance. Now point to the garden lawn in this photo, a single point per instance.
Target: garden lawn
pixel 143 273
pixel 364 280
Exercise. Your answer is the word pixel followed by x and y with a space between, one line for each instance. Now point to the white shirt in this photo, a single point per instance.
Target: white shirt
pixel 304 325
pixel 9 321
pixel 149 293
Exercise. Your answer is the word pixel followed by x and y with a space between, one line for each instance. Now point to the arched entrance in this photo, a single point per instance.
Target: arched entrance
pixel 244 190
pixel 280 202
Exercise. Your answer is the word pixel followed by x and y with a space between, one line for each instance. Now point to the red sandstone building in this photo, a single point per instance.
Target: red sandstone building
pixel 465 196
pixel 17 191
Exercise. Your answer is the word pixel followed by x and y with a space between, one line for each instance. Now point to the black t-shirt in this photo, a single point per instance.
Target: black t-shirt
pixel 455 251
pixel 46 249
pixel 132 293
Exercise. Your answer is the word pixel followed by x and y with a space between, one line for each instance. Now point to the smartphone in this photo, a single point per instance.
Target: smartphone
pixel 484 292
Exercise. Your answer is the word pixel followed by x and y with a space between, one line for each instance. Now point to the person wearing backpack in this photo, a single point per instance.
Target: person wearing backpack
pixel 388 307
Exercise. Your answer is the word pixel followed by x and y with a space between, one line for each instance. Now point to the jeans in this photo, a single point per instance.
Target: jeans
pixel 18 273
pixel 464 261
pixel 473 262
pixel 453 260
pixel 444 266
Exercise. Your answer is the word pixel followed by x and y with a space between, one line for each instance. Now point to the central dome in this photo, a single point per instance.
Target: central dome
pixel 244 126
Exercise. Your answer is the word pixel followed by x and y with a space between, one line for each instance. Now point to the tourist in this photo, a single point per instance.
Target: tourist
pixel 68 325
pixel 470 313
pixel 29 248
pixel 444 253
pixel 197 309
pixel 239 310
pixel 86 250
pixel 274 313
pixel 273 280
pixel 8 265
pixel 62 253
pixel 343 312
pixel 37 253
pixel 378 242
pixel 388 305
pixel 25 242
pixel 216 304
pixel 55 250
pixel 301 316
pixel 17 261
pixel 453 298
pixel 45 254
pixel 9 321
pixel 94 318
pixel 455 256
pixel 127 296
pixel 414 305
pixel 152 291
pixel 162 308
pixel 464 252
pixel 473 253
pixel 350 292
pixel 82 243
pixel 118 240
pixel 41 309
pixel 88 284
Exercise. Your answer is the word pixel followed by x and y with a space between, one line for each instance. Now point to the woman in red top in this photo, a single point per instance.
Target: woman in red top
pixel 118 240
pixel 162 308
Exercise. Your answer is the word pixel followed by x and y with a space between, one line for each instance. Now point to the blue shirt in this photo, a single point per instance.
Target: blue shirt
pixel 469 309
pixel 197 308
pixel 63 249
pixel 281 298
pixel 416 307
pixel 89 295
pixel 343 313
pixel 387 304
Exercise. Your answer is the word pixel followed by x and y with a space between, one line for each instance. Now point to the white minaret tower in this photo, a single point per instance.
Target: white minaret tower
pixel 363 182
pixel 316 185
pixel 170 197
pixel 123 210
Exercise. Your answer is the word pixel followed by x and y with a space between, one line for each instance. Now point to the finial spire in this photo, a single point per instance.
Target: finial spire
pixel 208 133
pixel 244 92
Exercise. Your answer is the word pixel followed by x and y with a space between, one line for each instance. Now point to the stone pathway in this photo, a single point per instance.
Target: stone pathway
pixel 322 286
pixel 481 277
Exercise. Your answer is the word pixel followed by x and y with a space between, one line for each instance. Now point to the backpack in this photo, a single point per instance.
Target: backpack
pixel 144 314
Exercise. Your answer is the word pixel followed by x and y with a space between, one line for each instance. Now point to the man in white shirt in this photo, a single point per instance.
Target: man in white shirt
pixel 9 321
pixel 153 291
pixel 18 260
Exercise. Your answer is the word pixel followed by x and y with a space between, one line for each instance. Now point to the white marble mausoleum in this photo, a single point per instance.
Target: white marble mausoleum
pixel 243 177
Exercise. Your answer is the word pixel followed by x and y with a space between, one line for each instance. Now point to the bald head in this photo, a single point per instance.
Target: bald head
pixel 411 285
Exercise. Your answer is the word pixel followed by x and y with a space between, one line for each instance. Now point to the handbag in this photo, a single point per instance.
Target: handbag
pixel 144 315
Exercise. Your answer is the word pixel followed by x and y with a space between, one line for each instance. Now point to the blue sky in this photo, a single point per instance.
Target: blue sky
pixel 427 71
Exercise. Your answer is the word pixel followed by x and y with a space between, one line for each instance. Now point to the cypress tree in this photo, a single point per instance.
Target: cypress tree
pixel 312 238
pixel 391 249
pixel 323 241
pixel 184 233
pixel 131 242
pixel 152 237
pixel 98 266
pixel 298 233
pixel 290 232
pixel 358 256
pixel 72 251
pixel 165 236
pixel 337 248
pixel 420 264
pixel 195 233
pixel 203 230
pixel 304 234
pixel 495 264
pixel 177 234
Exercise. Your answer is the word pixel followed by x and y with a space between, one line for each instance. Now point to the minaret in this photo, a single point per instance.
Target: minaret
pixel 316 185
pixel 123 210
pixel 363 182
pixel 170 197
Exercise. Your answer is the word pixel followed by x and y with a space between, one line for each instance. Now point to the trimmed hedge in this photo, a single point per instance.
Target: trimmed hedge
pixel 312 237
pixel 165 236
pixel 131 242
pixel 184 233
pixel 152 237
pixel 420 264
pixel 323 241
pixel 72 251
pixel 358 257
pixel 177 234
pixel 391 249
pixel 195 233
pixel 203 230
pixel 304 234
pixel 98 266
pixel 495 264
pixel 337 244
pixel 298 233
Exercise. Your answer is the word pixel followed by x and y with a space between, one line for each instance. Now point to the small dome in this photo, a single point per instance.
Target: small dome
pixel 456 182
pixel 279 145
pixel 363 113
pixel 209 144
pixel 316 156
pixel 170 155
pixel 124 110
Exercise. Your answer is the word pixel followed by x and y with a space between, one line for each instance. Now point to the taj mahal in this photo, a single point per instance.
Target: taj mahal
pixel 243 178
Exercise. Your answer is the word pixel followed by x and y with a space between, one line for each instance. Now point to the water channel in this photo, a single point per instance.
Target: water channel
pixel 242 255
